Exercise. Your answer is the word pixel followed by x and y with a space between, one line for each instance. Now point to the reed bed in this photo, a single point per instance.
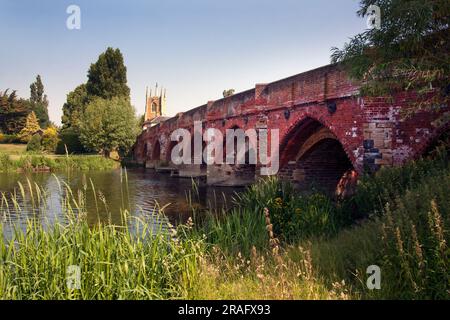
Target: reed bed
pixel 127 261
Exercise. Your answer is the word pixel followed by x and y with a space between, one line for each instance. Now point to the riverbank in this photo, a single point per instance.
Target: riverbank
pixel 49 163
pixel 275 244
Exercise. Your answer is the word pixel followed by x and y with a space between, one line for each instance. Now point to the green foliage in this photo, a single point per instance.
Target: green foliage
pixel 375 191
pixel 237 231
pixel 85 163
pixel 39 102
pixel 5 162
pixel 415 234
pixel 34 145
pixel 50 139
pixel 30 129
pixel 115 263
pixel 32 162
pixel 107 78
pixel 409 52
pixel 109 125
pixel 74 107
pixel 141 120
pixel 294 216
pixel 70 138
pixel 228 93
pixel 407 234
pixel 9 138
pixel 13 112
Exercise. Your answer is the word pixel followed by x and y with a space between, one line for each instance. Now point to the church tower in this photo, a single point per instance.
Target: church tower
pixel 155 106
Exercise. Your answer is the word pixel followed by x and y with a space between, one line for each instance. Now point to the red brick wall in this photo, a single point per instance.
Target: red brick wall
pixel 371 132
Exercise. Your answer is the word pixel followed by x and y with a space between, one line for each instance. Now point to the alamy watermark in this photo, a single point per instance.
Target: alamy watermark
pixel 374 280
pixel 73 21
pixel 241 147
pixel 373 14
pixel 73 277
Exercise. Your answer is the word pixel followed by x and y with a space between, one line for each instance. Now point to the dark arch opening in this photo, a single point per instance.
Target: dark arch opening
pixel 246 170
pixel 442 142
pixel 145 151
pixel 311 156
pixel 156 154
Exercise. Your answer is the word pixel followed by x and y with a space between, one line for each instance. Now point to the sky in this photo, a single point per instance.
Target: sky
pixel 193 48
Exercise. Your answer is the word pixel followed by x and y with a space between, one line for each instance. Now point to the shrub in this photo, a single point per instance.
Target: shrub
pixel 50 139
pixel 70 138
pixel 9 138
pixel 294 216
pixel 373 192
pixel 34 144
pixel 5 162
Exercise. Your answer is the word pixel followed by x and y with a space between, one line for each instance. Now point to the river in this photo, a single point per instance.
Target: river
pixel 140 191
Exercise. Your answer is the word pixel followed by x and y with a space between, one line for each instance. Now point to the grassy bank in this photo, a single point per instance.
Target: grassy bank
pixel 39 162
pixel 274 244
pixel 403 228
pixel 13 149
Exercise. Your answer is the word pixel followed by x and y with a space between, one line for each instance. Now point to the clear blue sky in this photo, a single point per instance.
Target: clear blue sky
pixel 194 48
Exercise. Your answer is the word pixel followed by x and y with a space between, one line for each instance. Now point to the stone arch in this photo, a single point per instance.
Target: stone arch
pixel 311 154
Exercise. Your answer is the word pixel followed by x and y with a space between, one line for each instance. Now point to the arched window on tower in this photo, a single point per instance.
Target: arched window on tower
pixel 153 107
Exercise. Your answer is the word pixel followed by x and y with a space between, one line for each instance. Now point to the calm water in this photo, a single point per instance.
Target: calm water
pixel 146 189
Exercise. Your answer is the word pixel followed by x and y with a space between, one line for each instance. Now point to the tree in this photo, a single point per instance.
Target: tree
pixel 74 107
pixel 107 77
pixel 109 125
pixel 141 120
pixel 30 129
pixel 410 51
pixel 69 141
pixel 35 143
pixel 228 93
pixel 39 102
pixel 13 112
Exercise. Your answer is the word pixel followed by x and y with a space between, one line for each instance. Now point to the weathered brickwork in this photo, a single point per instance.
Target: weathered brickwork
pixel 325 129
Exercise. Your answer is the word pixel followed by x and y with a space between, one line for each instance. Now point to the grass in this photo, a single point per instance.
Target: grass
pixel 115 262
pixel 238 253
pixel 13 149
pixel 39 162
pixel 405 232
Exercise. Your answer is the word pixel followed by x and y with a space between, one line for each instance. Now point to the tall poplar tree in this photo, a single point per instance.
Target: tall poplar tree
pixel 39 102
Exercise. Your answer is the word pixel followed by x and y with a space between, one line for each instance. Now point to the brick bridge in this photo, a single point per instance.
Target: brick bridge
pixel 325 129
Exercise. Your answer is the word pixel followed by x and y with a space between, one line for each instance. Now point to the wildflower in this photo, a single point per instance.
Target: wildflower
pixel 278 202
pixel 189 223
pixel 298 211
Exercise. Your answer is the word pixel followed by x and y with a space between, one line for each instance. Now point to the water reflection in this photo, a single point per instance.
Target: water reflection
pixel 105 194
